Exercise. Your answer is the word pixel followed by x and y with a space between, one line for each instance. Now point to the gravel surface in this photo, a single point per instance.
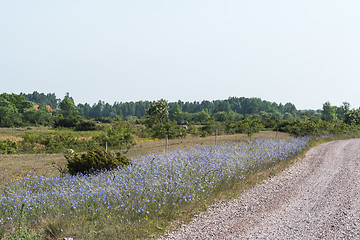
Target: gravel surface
pixel 316 198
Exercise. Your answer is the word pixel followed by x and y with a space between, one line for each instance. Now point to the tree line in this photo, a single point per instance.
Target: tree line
pixel 19 110
pixel 131 110
pixel 160 119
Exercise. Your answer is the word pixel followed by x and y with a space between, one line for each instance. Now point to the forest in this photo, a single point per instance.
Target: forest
pixel 137 110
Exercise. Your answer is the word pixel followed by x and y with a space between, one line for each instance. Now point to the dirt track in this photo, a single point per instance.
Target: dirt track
pixel 317 198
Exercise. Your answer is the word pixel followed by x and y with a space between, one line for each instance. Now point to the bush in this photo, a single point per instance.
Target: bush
pixel 118 136
pixel 170 129
pixel 316 128
pixel 68 122
pixel 286 125
pixel 8 146
pixel 94 161
pixel 247 126
pixel 193 130
pixel 104 119
pixel 52 142
pixel 211 128
pixel 85 126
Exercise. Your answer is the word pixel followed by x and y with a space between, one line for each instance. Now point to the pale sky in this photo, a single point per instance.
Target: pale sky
pixel 305 52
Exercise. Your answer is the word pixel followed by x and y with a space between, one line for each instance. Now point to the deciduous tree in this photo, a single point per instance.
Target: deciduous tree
pixel 67 107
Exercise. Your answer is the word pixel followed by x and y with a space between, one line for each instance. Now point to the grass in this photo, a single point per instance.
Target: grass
pixel 19 166
pixel 150 146
pixel 143 200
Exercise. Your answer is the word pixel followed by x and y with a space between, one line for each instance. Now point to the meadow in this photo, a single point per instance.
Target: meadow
pixel 154 194
pixel 18 166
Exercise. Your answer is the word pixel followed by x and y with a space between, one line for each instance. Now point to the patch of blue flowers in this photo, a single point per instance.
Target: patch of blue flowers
pixel 154 185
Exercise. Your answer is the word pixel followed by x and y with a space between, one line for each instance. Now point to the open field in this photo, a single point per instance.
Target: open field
pixel 18 166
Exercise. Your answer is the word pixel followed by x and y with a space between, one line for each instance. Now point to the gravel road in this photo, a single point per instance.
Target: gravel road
pixel 316 198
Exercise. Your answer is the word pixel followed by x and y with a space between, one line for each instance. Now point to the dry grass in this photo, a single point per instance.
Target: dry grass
pixel 20 166
pixel 13 138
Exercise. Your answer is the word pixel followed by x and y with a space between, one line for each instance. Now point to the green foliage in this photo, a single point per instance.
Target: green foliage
pixel 85 125
pixel 329 112
pixel 193 130
pixel 170 129
pixel 268 120
pixel 352 117
pixel 9 115
pixel 342 110
pixel 201 117
pixel 220 116
pixel 42 99
pixel 42 116
pixel 315 127
pixel 248 126
pixel 67 107
pixel 118 136
pixel 75 122
pixel 285 125
pixel 29 142
pixel 308 127
pixel 8 146
pixel 162 118
pixel 94 161
pixel 67 122
pixel 158 124
pixel 158 112
pixel 188 110
pixel 104 119
pixel 176 114
pixel 18 101
pixel 211 127
pixel 52 142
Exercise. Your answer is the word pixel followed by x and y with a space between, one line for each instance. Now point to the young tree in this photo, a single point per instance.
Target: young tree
pixel 352 117
pixel 158 112
pixel 67 107
pixel 328 112
pixel 176 114
pixel 202 117
pixel 9 115
pixel 341 111
pixel 119 136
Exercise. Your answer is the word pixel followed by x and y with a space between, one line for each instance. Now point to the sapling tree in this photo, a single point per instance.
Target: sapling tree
pixel 157 113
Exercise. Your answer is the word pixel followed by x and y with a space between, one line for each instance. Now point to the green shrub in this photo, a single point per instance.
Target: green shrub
pixel 193 130
pixel 211 128
pixel 316 127
pixel 94 161
pixel 118 136
pixel 104 119
pixel 170 129
pixel 52 142
pixel 248 126
pixel 85 126
pixel 286 125
pixel 67 122
pixel 8 146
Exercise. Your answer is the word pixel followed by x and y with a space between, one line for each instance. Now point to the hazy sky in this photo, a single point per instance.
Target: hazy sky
pixel 305 52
